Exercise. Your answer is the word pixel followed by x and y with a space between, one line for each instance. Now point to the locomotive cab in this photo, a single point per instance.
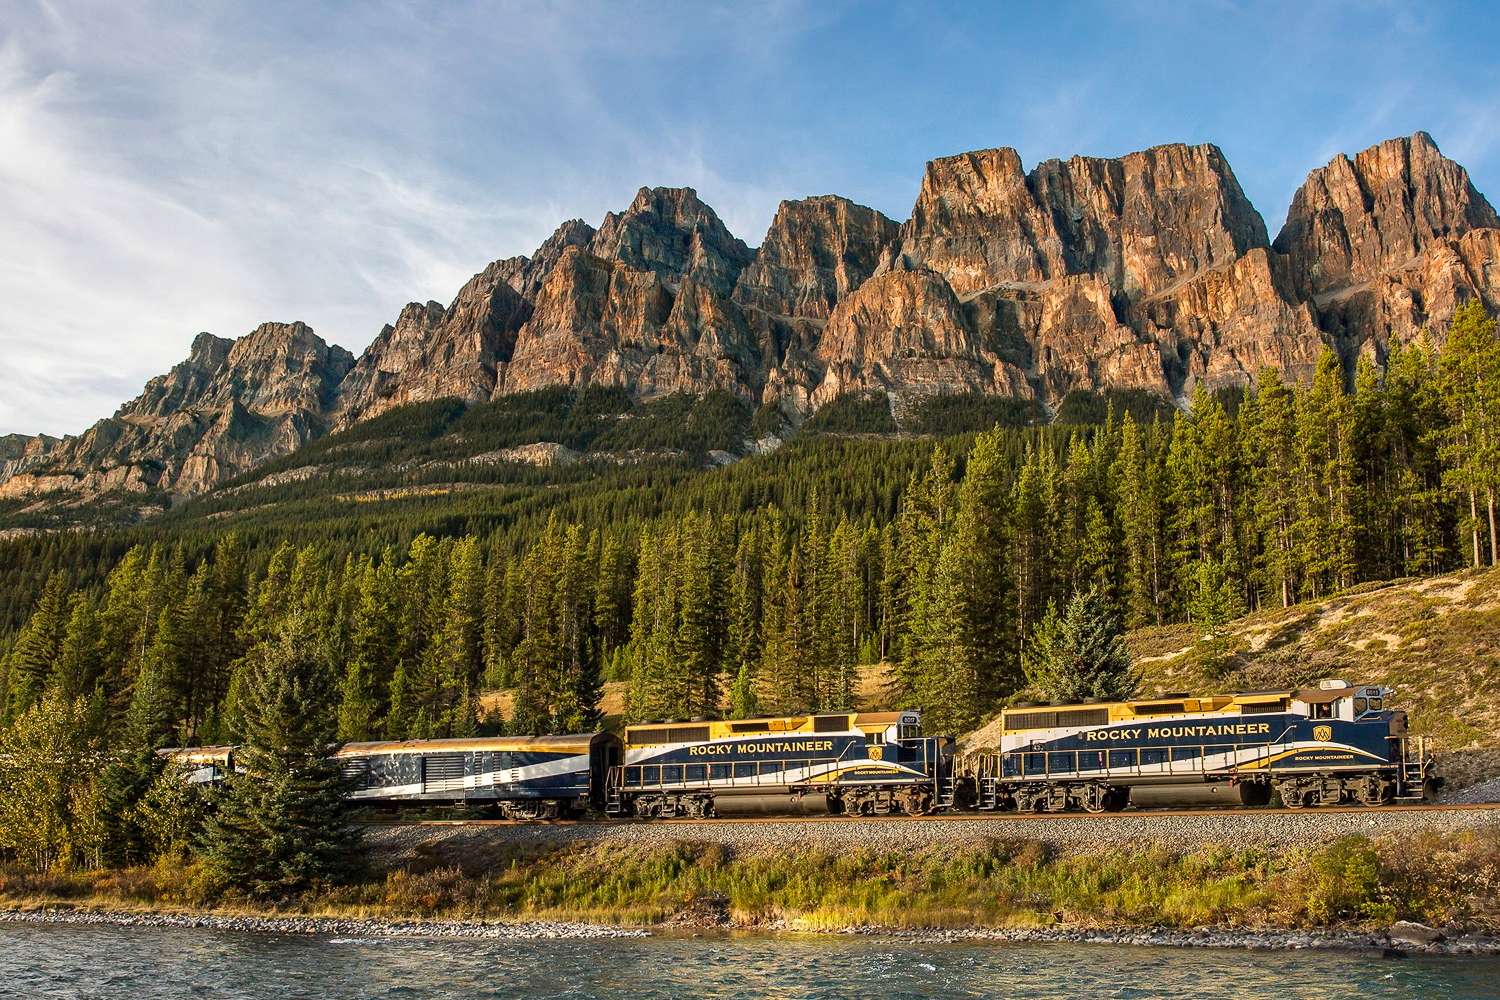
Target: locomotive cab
pixel 1338 700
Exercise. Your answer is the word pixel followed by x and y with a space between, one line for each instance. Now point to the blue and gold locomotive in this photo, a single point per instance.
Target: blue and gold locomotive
pixel 1326 745
pixel 858 763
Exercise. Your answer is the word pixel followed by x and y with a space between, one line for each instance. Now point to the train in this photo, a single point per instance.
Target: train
pixel 1335 743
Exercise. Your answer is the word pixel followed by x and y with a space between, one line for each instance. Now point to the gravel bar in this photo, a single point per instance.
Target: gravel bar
pixel 330 926
pixel 1384 944
pixel 1070 833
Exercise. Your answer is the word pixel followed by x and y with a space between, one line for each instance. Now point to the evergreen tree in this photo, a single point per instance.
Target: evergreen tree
pixel 1328 486
pixel 1271 452
pixel 280 828
pixel 1214 604
pixel 37 649
pixel 1140 520
pixel 1081 654
pixel 1470 389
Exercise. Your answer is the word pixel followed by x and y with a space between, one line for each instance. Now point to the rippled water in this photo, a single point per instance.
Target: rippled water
pixel 122 964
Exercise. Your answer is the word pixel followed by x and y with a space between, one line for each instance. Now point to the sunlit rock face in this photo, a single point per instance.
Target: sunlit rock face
pixel 230 406
pixel 1147 271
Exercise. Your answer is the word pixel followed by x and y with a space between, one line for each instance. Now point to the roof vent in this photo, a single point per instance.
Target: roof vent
pixel 1333 685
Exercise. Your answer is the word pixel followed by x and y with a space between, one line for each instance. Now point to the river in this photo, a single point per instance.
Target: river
pixel 62 961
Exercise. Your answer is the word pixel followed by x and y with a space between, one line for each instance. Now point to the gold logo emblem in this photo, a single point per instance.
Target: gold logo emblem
pixel 876 753
pixel 1322 733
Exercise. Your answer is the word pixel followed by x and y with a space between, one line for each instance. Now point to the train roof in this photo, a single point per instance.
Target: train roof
pixel 479 744
pixel 657 733
pixel 194 755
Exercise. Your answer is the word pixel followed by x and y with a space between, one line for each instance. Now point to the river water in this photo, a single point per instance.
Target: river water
pixel 60 961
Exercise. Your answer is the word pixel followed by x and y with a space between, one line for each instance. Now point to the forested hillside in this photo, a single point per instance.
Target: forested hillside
pixel 762 586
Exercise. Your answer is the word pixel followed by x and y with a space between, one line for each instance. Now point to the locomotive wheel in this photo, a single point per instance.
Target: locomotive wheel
pixel 1291 795
pixel 1095 798
pixel 916 802
pixel 1117 798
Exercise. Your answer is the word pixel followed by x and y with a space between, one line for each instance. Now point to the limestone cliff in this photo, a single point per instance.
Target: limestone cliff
pixel 228 407
pixel 1149 271
pixel 1390 242
pixel 646 306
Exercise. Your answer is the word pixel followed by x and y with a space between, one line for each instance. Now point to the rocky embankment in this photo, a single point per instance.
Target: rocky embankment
pixel 330 926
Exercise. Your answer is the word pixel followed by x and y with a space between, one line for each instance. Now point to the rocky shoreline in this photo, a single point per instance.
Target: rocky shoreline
pixel 536 930
pixel 1396 942
pixel 1399 941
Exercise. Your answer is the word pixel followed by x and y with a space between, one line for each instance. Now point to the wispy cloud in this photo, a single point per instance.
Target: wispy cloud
pixel 170 166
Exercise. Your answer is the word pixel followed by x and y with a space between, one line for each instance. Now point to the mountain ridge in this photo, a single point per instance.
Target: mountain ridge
pixel 1151 271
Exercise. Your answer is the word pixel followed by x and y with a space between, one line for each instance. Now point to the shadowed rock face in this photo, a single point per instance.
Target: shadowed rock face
pixel 432 352
pixel 1150 271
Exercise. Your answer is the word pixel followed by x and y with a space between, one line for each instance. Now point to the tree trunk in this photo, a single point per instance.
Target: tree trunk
pixel 1474 518
pixel 1490 498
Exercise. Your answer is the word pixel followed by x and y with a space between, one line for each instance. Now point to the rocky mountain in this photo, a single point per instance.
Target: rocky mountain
pixel 231 405
pixel 1150 271
pixel 1391 241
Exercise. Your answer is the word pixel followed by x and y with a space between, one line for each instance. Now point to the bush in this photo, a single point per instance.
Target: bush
pixel 1346 884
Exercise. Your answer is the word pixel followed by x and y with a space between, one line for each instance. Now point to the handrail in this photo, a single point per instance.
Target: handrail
pixel 1104 763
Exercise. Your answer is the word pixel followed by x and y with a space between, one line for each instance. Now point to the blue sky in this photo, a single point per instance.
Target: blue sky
pixel 170 167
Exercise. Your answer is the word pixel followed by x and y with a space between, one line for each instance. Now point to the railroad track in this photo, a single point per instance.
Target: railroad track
pixel 963 817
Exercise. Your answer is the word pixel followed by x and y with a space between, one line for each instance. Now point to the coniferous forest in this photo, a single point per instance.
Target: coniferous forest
pixel 760 587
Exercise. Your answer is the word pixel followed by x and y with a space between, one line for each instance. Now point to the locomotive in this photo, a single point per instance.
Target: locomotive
pixel 1332 744
pixel 860 763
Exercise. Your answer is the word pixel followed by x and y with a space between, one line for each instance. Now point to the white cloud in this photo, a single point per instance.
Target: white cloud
pixel 170 166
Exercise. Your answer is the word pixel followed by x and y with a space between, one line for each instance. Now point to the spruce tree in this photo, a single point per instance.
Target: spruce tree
pixel 1213 605
pixel 1081 654
pixel 280 826
pixel 38 648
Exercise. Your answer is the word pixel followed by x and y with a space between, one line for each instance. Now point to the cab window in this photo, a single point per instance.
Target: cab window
pixel 1361 706
pixel 908 732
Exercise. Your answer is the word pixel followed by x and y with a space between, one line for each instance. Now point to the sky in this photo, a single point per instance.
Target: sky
pixel 174 166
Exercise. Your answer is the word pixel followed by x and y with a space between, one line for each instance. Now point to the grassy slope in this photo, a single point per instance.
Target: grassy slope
pixel 1436 641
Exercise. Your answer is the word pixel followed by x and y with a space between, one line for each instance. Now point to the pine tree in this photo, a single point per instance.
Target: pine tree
pixel 1271 446
pixel 1328 488
pixel 280 828
pixel 1470 388
pixel 1081 654
pixel 1140 518
pixel 1214 604
pixel 38 648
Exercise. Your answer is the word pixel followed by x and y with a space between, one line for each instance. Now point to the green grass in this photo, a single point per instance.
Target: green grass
pixel 1003 883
